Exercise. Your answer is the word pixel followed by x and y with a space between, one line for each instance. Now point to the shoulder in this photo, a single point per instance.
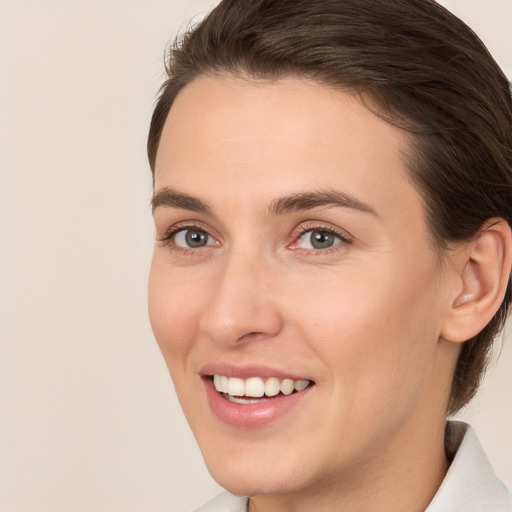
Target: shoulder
pixel 470 484
pixel 225 502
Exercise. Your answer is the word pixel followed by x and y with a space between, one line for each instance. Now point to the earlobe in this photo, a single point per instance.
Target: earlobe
pixel 484 273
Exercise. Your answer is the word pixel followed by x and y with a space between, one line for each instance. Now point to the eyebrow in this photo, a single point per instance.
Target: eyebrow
pixel 309 200
pixel 290 203
pixel 171 198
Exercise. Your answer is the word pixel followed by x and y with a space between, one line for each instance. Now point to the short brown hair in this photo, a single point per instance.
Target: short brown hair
pixel 421 67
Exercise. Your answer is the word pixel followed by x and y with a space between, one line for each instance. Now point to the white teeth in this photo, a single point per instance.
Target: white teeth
pixel 245 401
pixel 256 387
pixel 224 384
pixel 301 384
pixel 287 386
pixel 236 387
pixel 272 387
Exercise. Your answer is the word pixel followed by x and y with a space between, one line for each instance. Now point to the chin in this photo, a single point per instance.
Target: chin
pixel 254 485
pixel 244 476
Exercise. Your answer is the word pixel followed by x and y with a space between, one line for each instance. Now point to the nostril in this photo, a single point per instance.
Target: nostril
pixel 250 335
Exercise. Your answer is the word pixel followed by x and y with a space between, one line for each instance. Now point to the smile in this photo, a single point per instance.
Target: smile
pixel 253 389
pixel 247 401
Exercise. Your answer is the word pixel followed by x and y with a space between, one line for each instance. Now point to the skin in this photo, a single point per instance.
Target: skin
pixel 363 318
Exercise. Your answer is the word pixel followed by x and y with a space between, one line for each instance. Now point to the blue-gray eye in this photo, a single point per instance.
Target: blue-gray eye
pixel 317 239
pixel 192 238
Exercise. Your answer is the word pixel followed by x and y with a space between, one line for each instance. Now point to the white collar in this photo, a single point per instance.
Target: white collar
pixel 470 484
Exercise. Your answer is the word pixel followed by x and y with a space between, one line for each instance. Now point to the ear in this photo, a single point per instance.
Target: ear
pixel 483 268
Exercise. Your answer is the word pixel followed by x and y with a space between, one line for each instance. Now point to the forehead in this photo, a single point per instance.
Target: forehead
pixel 228 137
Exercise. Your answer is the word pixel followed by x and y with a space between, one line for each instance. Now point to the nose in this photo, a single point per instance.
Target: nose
pixel 243 304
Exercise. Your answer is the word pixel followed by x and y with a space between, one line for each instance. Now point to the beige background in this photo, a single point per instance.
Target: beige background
pixel 88 417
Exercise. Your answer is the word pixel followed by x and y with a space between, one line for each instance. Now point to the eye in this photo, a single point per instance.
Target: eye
pixel 317 239
pixel 192 238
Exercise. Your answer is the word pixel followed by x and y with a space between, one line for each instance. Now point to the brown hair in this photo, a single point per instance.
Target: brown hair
pixel 422 68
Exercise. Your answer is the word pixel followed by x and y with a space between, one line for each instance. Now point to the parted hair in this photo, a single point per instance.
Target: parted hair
pixel 414 64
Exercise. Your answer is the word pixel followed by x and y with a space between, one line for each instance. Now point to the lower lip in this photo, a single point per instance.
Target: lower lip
pixel 252 415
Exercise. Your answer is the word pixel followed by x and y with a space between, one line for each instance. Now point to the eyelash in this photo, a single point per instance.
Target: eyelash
pixel 173 230
pixel 345 239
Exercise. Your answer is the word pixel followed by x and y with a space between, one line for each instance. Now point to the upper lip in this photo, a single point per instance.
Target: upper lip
pixel 247 371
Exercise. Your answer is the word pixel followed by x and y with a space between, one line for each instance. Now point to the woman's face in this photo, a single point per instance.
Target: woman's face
pixel 292 250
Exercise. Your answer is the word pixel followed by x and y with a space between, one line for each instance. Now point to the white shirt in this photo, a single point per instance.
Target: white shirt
pixel 469 486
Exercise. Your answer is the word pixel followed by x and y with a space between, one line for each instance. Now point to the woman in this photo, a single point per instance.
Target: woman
pixel 333 206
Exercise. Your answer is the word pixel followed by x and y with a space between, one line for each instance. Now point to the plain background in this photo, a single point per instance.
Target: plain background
pixel 88 417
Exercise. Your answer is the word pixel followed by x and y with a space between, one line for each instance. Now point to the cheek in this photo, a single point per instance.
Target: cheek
pixel 173 313
pixel 375 331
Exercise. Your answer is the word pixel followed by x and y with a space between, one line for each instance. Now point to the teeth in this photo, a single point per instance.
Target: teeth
pixel 272 387
pixel 224 384
pixel 256 387
pixel 236 387
pixel 287 386
pixel 301 384
pixel 244 401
